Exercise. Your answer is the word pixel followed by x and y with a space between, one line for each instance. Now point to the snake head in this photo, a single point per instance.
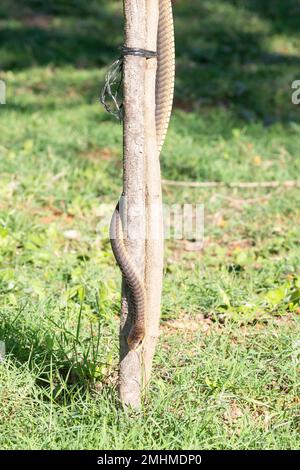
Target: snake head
pixel 135 341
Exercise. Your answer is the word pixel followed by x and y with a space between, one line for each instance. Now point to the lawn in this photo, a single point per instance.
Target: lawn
pixel 226 372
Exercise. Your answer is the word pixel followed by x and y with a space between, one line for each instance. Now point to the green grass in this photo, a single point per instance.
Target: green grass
pixel 226 373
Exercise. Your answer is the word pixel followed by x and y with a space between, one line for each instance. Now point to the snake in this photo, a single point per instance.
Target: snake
pixel 165 78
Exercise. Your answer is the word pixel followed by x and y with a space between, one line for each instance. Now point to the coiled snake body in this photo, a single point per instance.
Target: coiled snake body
pixel 164 99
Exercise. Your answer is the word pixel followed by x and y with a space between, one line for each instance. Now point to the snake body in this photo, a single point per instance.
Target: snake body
pixel 164 98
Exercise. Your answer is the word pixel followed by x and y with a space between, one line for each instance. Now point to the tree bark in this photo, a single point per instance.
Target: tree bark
pixel 142 190
pixel 130 373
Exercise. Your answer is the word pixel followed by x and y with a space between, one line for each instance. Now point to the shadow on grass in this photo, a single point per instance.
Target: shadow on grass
pixel 283 16
pixel 78 33
pixel 224 55
pixel 238 55
pixel 62 363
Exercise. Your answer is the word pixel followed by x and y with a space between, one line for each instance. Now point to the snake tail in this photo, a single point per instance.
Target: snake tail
pixel 132 279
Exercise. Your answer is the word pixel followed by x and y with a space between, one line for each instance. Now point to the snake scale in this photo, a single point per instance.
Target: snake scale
pixel 164 99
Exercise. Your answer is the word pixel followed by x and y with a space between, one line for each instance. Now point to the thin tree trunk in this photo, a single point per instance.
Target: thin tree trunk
pixel 142 191
pixel 133 189
pixel 154 222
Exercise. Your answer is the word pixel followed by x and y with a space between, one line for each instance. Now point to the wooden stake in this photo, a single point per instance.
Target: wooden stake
pixel 133 189
pixel 142 191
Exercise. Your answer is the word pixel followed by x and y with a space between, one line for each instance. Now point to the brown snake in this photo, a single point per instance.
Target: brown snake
pixel 164 99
